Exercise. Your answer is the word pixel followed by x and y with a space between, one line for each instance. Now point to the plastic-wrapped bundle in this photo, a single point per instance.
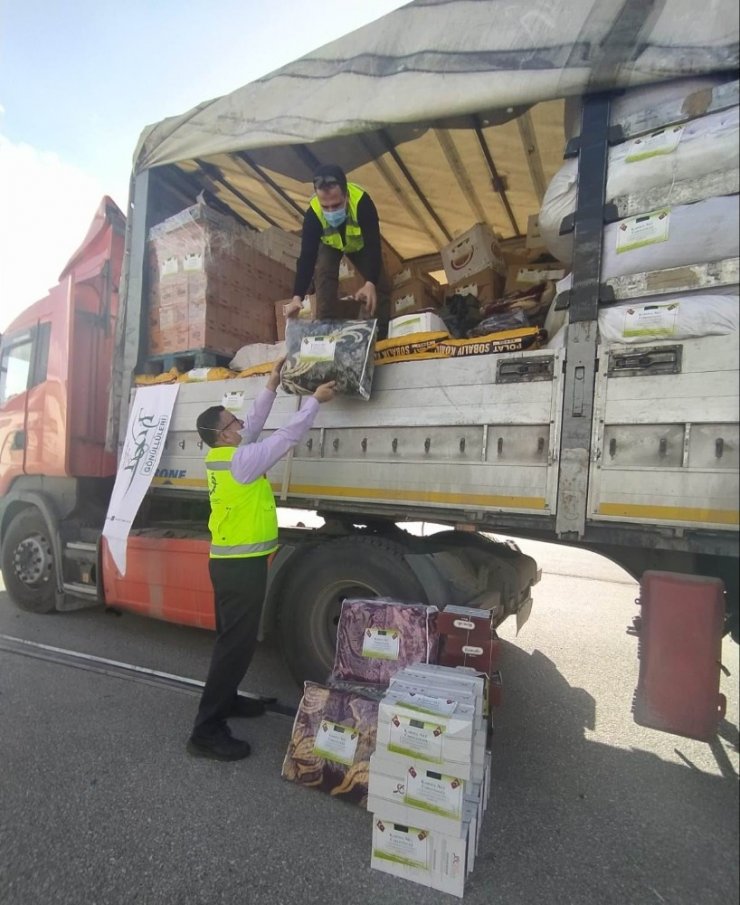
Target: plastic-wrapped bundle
pixel 673 237
pixel 658 161
pixel 644 320
pixel 376 638
pixel 319 351
pixel 334 734
pixel 523 308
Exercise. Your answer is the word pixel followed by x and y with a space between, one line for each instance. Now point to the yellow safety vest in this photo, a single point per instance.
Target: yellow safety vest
pixel 353 239
pixel 243 518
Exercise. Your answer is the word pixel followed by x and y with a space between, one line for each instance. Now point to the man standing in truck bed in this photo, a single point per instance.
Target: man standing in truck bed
pixel 244 532
pixel 340 220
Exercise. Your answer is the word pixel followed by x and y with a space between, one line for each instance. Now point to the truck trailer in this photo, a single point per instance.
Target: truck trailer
pixel 448 114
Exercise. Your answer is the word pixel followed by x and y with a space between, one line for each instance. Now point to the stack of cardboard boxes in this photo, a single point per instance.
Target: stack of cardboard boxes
pixel 429 777
pixel 209 288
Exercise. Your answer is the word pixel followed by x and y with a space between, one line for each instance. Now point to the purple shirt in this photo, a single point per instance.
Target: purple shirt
pixel 255 457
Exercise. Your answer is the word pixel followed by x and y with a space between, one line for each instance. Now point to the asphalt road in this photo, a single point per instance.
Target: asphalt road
pixel 100 805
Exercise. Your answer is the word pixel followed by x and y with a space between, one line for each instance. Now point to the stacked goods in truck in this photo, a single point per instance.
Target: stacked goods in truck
pixel 209 288
pixel 649 173
pixel 417 322
pixel 429 778
pixel 661 160
pixel 475 251
pixel 413 291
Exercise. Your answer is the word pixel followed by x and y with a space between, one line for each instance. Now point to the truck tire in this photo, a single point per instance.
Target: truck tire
pixel 321 579
pixel 28 563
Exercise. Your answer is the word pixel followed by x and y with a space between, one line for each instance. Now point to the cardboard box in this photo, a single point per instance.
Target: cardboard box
pixel 202 263
pixel 403 735
pixel 461 678
pixel 411 792
pixel 307 312
pixel 471 624
pixel 473 251
pixel 431 695
pixel 525 276
pixel 486 285
pixel 350 278
pixel 418 322
pixel 417 294
pixel 431 859
pixel 481 655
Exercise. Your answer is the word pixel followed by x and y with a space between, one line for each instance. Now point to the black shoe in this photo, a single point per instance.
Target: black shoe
pixel 220 746
pixel 247 707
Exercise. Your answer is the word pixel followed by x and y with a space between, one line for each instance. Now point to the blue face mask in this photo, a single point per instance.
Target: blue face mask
pixel 336 218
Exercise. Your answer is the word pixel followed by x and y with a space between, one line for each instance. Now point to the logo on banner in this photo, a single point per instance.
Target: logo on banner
pixel 147 433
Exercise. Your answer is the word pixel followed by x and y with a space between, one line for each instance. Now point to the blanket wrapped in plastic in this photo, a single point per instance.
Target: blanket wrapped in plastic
pixel 376 638
pixel 333 736
pixel 320 351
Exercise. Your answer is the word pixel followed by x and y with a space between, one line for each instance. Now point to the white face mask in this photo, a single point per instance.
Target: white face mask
pixel 336 218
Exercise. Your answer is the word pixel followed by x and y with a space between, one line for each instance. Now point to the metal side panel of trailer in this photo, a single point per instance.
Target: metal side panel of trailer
pixel 665 447
pixel 457 435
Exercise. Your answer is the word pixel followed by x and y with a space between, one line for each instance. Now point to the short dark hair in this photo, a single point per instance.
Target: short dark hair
pixel 330 173
pixel 209 424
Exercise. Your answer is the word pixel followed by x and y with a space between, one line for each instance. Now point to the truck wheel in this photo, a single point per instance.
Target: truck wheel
pixel 28 563
pixel 322 578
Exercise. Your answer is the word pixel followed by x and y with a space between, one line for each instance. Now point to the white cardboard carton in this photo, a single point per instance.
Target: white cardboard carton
pixel 410 792
pixel 417 322
pixel 432 859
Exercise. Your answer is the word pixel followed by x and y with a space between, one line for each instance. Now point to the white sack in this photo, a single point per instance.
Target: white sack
pixel 696 234
pixel 669 318
pixel 705 145
pixel 254 354
pixel 636 99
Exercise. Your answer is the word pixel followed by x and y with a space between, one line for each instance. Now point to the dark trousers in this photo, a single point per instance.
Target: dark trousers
pixel 239 591
pixel 326 283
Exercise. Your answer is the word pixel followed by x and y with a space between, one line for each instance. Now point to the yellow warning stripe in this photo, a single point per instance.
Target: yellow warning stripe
pixel 671 513
pixel 379 493
pixel 421 496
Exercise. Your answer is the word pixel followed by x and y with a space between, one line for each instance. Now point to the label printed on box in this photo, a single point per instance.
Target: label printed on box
pixel 472 651
pixel 168 267
pixel 434 792
pixel 317 348
pixel 381 643
pixel 665 141
pixel 464 623
pixel 651 320
pixel 416 738
pixel 427 704
pixel 233 401
pixel 192 262
pixel 647 229
pixel 406 301
pixel 401 844
pixel 336 742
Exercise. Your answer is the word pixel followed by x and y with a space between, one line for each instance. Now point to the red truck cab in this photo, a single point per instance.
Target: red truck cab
pixel 55 375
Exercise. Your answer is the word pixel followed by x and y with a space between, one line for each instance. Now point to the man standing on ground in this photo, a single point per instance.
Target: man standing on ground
pixel 244 532
pixel 340 220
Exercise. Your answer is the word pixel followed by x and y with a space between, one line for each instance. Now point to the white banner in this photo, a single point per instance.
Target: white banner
pixel 147 427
